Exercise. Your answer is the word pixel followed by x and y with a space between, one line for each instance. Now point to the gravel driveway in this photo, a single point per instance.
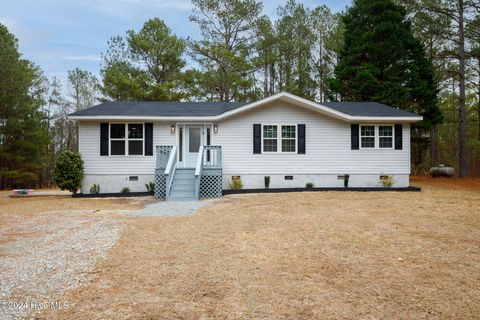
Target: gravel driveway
pixel 169 208
pixel 50 246
pixel 50 254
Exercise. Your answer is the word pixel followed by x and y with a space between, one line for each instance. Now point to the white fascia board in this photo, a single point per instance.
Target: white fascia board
pixel 140 118
pixel 385 119
pixel 292 99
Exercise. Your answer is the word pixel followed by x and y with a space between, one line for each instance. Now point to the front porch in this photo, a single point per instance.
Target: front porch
pixel 175 181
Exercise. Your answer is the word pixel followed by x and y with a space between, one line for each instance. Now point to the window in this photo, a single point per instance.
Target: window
pixel 135 139
pixel 288 139
pixel 380 136
pixel 270 138
pixel 117 139
pixel 385 134
pixel 126 139
pixel 194 136
pixel 367 134
pixel 180 144
pixel 286 142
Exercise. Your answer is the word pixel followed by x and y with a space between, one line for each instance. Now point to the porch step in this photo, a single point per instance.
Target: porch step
pixel 183 185
pixel 183 182
pixel 182 198
pixel 182 194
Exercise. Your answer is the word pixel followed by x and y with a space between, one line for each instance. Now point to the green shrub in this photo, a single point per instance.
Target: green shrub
pixel 150 187
pixel 266 179
pixel 125 190
pixel 68 172
pixel 95 189
pixel 387 181
pixel 236 183
pixel 345 180
pixel 309 185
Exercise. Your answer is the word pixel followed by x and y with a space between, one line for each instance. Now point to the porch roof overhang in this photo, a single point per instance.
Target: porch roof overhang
pixel 373 112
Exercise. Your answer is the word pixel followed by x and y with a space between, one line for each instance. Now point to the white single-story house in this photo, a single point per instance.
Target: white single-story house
pixel 193 149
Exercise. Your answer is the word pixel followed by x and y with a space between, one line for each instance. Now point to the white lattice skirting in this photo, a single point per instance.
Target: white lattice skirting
pixel 211 183
pixel 160 184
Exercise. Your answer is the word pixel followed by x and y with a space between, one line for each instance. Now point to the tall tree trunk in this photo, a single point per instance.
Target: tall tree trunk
pixel 272 78
pixel 265 80
pixel 478 102
pixel 462 132
pixel 320 72
pixel 433 147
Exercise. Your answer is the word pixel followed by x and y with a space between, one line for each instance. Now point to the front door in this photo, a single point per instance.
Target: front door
pixel 193 141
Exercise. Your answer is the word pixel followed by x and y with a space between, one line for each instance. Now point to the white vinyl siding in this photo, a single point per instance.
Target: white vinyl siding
pixel 328 149
pixel 89 147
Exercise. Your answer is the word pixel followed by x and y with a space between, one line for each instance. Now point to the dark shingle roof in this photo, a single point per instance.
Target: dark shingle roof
pixel 368 109
pixel 194 109
pixel 159 109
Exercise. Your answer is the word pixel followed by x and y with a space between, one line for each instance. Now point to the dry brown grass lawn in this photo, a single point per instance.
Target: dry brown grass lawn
pixel 326 255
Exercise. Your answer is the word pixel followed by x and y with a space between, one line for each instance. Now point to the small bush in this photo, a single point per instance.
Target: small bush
pixel 68 172
pixel 309 185
pixel 387 181
pixel 266 179
pixel 95 189
pixel 150 187
pixel 236 183
pixel 345 180
pixel 125 190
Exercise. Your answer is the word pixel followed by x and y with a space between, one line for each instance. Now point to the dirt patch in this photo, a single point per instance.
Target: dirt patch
pixel 330 255
pixel 471 184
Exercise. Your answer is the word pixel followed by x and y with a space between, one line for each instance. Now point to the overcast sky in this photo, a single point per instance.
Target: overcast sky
pixel 60 35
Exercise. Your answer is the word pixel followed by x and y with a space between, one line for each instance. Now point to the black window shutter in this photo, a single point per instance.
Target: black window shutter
pixel 301 139
pixel 398 137
pixel 149 139
pixel 104 139
pixel 257 138
pixel 355 137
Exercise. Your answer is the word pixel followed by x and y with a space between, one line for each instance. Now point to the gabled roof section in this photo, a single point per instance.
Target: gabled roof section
pixel 370 109
pixel 159 109
pixel 217 111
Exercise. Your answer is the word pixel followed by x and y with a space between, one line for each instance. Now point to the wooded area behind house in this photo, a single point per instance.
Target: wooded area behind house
pixel 418 55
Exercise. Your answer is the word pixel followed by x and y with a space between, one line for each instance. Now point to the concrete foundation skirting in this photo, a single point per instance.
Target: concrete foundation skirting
pixel 280 181
pixel 113 183
pixel 242 191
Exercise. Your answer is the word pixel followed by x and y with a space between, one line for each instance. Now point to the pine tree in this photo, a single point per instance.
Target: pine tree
pixel 23 125
pixel 225 52
pixel 147 65
pixel 382 61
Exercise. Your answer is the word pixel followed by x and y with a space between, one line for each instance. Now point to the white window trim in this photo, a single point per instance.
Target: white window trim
pixel 279 138
pixel 376 136
pixel 126 139
pixel 392 136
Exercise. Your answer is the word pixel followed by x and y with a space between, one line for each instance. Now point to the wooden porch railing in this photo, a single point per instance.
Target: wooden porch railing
pixel 209 157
